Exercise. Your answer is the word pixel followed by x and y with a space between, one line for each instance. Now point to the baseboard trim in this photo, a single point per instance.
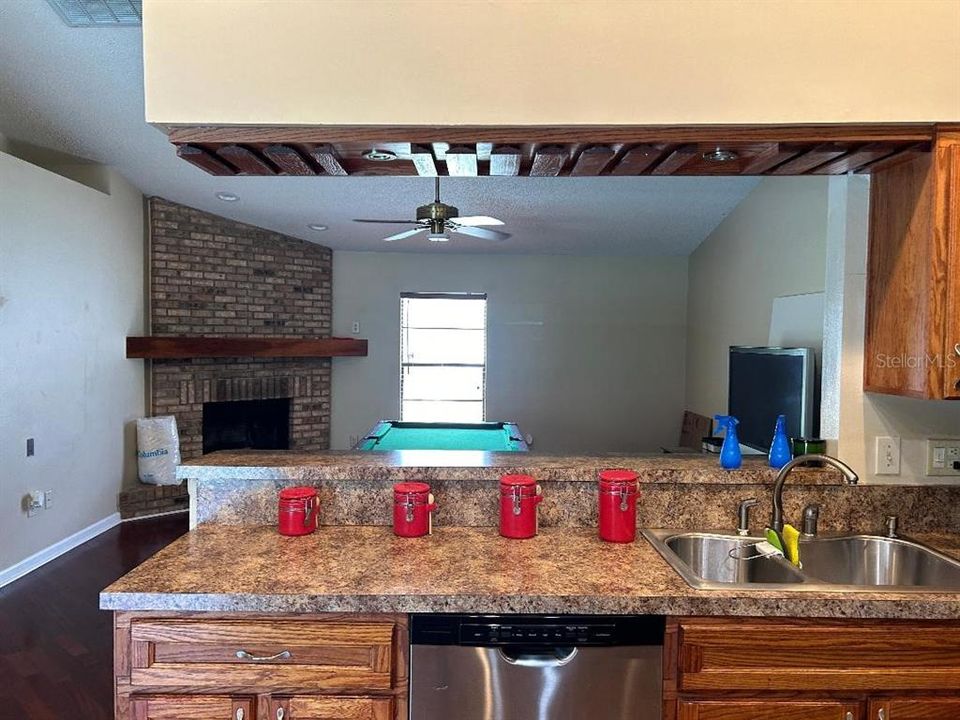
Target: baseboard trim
pixel 155 515
pixel 39 559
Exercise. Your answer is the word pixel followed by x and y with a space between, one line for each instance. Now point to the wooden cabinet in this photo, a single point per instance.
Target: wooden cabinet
pixel 306 707
pixel 192 707
pixel 919 708
pixel 912 340
pixel 201 666
pixel 768 710
pixel 783 669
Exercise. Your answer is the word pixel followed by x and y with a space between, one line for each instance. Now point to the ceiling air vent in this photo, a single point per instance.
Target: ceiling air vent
pixel 99 13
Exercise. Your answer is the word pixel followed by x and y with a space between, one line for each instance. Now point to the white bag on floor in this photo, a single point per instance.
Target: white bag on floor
pixel 158 450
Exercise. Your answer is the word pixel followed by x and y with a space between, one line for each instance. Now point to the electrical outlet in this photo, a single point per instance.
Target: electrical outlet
pixel 47 499
pixel 888 456
pixel 34 502
pixel 354 439
pixel 943 457
pixel 355 328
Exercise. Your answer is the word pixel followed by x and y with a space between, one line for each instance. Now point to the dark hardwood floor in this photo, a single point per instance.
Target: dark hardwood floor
pixel 56 646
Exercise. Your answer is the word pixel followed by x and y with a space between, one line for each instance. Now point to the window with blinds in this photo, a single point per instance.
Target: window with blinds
pixel 443 353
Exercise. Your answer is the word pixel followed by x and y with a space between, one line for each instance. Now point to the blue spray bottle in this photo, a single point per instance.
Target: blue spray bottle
pixel 780 452
pixel 730 458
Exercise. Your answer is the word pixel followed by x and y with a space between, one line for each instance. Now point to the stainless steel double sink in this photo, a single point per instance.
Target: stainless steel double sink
pixel 863 563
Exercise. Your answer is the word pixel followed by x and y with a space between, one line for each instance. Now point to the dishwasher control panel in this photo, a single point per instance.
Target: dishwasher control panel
pixel 496 634
pixel 533 630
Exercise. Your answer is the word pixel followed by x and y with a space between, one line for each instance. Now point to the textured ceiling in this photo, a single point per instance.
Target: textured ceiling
pixel 80 91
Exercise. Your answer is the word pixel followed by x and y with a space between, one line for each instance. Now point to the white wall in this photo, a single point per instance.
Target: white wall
pixel 772 245
pixel 509 62
pixel 587 354
pixel 71 290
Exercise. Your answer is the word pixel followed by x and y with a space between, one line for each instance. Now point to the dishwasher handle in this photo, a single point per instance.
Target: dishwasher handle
pixel 541 657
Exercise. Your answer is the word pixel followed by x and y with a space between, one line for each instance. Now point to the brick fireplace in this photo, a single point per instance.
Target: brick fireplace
pixel 214 277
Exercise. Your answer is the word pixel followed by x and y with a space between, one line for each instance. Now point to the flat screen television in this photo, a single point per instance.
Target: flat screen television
pixel 770 381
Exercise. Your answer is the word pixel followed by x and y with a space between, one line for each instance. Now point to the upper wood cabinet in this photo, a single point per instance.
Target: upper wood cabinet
pixel 912 343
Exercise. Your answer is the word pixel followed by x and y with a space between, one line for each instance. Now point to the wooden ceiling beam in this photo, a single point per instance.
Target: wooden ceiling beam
pixel 246 161
pixel 593 134
pixel 504 160
pixel 206 161
pixel 855 160
pixel 328 159
pixel 636 160
pixel 770 157
pixel 810 159
pixel 676 160
pixel 548 161
pixel 902 155
pixel 592 161
pixel 289 160
pixel 423 161
pixel 462 161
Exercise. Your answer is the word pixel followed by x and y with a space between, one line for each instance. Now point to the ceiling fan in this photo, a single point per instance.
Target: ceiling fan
pixel 438 217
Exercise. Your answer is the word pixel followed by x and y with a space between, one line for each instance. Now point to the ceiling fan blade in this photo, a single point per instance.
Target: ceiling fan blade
pixel 388 222
pixel 474 220
pixel 481 233
pixel 404 234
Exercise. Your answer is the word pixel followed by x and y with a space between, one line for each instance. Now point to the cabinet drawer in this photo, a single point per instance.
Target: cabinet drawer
pixel 940 708
pixel 759 654
pixel 304 707
pixel 186 707
pixel 261 655
pixel 768 710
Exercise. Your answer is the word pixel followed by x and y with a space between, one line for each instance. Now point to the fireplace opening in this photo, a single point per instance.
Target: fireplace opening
pixel 246 424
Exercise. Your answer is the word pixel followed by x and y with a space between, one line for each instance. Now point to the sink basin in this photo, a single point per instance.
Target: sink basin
pixel 865 563
pixel 878 561
pixel 727 559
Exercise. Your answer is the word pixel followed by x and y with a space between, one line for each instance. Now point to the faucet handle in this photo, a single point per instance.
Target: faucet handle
pixel 743 515
pixel 811 516
pixel 892 524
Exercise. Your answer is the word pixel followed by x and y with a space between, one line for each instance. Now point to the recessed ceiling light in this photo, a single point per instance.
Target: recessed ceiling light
pixel 720 155
pixel 317 226
pixel 227 197
pixel 379 155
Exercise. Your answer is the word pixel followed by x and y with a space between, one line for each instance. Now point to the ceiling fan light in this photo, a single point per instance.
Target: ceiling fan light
pixel 438 237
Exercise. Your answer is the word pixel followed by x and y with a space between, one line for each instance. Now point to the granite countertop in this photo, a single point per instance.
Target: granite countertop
pixel 222 568
pixel 427 465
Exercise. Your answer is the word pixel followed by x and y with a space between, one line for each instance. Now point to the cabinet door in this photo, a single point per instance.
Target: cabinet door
pixel 307 707
pixel 768 710
pixel 192 707
pixel 948 207
pixel 939 708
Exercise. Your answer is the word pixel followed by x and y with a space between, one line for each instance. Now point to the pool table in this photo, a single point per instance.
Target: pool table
pixel 397 435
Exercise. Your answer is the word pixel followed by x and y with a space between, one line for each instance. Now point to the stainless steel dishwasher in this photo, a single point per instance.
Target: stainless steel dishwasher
pixel 535 667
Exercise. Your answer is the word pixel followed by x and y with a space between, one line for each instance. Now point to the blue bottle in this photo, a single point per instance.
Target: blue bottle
pixel 780 452
pixel 730 458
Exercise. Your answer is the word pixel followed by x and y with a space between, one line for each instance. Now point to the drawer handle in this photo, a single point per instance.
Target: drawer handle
pixel 244 655
pixel 956 348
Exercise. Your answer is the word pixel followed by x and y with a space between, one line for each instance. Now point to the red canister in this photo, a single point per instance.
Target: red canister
pixel 413 508
pixel 298 508
pixel 618 505
pixel 519 497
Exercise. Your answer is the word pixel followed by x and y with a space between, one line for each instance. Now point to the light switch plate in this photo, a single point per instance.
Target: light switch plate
pixel 888 456
pixel 942 453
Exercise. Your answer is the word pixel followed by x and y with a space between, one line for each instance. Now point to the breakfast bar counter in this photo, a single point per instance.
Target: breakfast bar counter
pixel 249 568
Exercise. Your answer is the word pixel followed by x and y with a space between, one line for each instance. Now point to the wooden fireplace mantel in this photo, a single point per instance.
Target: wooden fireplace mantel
pixel 169 348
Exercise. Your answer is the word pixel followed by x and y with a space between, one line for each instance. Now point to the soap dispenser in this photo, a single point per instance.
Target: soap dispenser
pixel 730 458
pixel 780 452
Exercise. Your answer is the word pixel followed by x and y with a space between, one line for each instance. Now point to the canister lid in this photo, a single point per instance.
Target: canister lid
pixel 616 477
pixel 515 480
pixel 411 488
pixel 298 493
